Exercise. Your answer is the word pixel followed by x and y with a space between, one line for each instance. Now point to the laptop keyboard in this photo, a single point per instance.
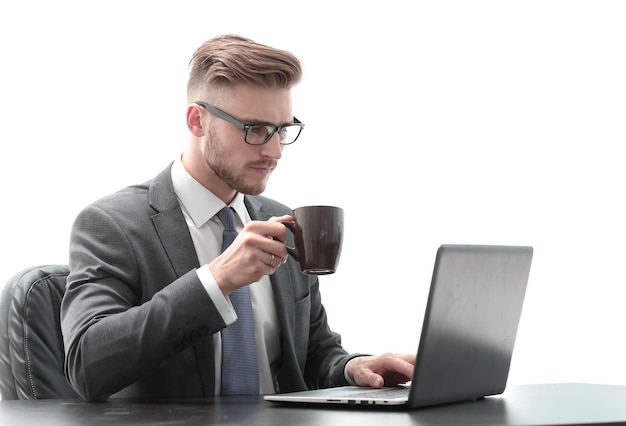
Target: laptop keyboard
pixel 386 393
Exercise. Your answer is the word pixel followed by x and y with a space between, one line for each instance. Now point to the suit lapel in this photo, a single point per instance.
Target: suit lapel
pixel 173 232
pixel 287 376
pixel 281 280
pixel 170 224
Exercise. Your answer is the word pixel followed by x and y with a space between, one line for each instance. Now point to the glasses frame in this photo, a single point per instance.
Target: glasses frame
pixel 247 126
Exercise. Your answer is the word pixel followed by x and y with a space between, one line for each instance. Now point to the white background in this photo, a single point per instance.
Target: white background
pixel 492 122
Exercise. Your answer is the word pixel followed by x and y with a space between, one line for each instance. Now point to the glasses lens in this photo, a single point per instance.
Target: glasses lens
pixel 260 134
pixel 289 134
pixel 257 134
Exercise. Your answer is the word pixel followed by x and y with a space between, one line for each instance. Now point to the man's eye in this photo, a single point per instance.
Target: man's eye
pixel 259 131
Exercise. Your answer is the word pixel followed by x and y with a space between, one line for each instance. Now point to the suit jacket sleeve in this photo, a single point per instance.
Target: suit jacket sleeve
pixel 126 313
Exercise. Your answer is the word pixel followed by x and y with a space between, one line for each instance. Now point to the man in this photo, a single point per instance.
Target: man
pixel 148 300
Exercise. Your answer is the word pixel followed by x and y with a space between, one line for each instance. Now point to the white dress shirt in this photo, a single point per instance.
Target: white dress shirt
pixel 200 206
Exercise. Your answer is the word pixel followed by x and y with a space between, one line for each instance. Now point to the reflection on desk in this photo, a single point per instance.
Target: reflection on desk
pixel 545 404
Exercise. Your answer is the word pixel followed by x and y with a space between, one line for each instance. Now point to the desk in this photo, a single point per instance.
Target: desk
pixel 547 404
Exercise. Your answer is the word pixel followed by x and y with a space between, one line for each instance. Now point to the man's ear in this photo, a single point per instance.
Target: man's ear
pixel 194 122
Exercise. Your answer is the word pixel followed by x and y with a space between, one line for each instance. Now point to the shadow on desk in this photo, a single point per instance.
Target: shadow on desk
pixel 520 405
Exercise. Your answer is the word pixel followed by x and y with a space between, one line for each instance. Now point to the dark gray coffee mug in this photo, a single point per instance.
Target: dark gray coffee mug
pixel 318 234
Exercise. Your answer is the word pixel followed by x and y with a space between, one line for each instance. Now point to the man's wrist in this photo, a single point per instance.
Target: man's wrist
pixel 221 302
pixel 346 374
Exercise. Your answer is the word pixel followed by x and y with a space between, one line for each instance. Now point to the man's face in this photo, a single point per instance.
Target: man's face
pixel 243 167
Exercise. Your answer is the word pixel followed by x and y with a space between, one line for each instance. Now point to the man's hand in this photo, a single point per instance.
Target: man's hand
pixel 381 370
pixel 257 251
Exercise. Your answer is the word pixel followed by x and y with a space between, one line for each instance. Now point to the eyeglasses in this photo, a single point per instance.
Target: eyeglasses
pixel 259 133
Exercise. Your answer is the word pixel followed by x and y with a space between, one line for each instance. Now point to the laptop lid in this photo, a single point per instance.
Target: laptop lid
pixel 472 315
pixel 470 324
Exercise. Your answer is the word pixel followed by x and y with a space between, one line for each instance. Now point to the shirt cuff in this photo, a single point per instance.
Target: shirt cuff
pixel 345 373
pixel 222 303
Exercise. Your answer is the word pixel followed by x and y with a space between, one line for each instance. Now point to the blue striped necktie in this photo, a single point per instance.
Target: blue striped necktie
pixel 240 370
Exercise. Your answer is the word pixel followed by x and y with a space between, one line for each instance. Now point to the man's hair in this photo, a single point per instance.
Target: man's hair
pixel 229 60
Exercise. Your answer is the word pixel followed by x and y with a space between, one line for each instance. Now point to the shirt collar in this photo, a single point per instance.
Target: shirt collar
pixel 200 203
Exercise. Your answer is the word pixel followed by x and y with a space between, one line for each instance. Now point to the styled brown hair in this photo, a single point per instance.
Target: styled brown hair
pixel 229 60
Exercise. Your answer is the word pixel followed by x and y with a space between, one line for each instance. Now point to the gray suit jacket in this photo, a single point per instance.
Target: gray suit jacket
pixel 137 322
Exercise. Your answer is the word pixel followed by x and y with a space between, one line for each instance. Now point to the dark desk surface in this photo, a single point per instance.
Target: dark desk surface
pixel 547 404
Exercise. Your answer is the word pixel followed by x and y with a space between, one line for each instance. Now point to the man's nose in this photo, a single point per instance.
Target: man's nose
pixel 273 148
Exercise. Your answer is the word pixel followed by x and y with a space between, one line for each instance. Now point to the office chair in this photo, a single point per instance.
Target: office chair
pixel 31 346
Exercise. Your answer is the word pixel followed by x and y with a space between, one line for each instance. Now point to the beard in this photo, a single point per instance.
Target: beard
pixel 218 162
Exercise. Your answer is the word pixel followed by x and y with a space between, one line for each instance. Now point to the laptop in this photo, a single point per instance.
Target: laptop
pixel 468 333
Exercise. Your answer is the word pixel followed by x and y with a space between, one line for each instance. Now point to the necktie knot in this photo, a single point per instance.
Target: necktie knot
pixel 227 217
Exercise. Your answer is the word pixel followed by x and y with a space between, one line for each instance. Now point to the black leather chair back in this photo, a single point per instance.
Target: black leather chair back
pixel 31 345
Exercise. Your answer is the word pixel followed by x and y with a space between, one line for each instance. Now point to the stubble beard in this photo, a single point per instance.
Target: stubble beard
pixel 218 163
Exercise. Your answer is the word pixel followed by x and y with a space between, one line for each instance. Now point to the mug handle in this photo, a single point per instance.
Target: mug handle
pixel 291 225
